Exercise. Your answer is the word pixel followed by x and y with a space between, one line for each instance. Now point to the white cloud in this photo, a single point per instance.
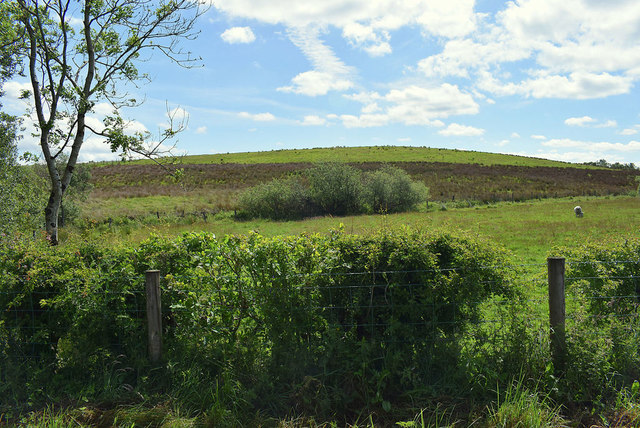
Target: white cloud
pixel 579 121
pixel 587 121
pixel 574 50
pixel 371 108
pixel 578 85
pixel 379 49
pixel 238 35
pixel 416 105
pixel 577 157
pixel 314 83
pixel 313 120
pixel 538 137
pixel 364 120
pixel 94 123
pixel 103 109
pixel 329 73
pixel 411 105
pixel 134 127
pixel 75 22
pixel 515 135
pixel 201 130
pixel 598 147
pixel 365 37
pixel 14 90
pixel 631 131
pixel 457 130
pixel 404 140
pixel 176 117
pixel 442 18
pixel 607 124
pixel 258 117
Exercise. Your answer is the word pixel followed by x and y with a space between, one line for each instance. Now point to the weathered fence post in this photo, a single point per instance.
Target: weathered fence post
pixel 154 315
pixel 556 270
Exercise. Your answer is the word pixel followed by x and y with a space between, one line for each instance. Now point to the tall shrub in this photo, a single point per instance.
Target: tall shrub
pixel 390 189
pixel 279 199
pixel 336 188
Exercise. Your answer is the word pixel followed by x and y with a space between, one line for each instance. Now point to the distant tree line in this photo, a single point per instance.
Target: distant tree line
pixel 602 163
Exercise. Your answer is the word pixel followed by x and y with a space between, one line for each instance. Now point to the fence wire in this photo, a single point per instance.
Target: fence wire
pixel 386 308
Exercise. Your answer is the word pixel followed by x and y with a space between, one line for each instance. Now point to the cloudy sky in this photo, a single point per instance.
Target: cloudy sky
pixel 545 78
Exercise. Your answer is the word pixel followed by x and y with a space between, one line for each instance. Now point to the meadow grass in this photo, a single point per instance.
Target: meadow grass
pixel 371 154
pixel 528 229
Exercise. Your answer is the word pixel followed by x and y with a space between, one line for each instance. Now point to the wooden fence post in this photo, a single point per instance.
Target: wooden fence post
pixel 556 271
pixel 154 315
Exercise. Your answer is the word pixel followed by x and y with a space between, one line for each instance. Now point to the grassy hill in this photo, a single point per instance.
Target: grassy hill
pixel 211 183
pixel 370 154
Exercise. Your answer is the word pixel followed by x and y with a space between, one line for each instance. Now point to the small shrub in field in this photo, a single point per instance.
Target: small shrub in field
pixel 391 189
pixel 336 188
pixel 277 200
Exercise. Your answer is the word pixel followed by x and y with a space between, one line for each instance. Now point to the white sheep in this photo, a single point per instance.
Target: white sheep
pixel 578 211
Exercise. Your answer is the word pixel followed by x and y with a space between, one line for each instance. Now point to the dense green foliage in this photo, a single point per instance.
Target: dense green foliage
pixel 280 321
pixel 278 199
pixel 602 163
pixel 328 326
pixel 334 189
pixel 603 285
pixel 21 190
pixel 390 189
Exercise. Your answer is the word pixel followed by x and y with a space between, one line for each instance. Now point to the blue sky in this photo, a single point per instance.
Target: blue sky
pixel 541 78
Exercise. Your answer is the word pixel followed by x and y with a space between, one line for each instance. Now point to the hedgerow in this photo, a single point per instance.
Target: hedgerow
pixel 603 302
pixel 319 324
pixel 325 325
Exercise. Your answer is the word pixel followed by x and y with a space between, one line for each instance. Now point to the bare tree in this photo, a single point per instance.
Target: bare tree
pixel 80 52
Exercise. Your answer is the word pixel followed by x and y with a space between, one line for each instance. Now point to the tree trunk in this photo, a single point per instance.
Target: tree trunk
pixel 51 216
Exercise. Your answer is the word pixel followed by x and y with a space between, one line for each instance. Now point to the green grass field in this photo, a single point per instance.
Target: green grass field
pixel 528 229
pixel 372 154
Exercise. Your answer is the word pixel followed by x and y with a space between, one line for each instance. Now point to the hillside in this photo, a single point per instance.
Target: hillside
pixel 474 176
pixel 369 154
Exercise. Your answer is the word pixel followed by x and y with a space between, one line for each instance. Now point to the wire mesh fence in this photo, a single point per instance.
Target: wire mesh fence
pixel 374 305
pixel 397 320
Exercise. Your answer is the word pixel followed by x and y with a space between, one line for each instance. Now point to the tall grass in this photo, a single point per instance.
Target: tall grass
pixel 520 407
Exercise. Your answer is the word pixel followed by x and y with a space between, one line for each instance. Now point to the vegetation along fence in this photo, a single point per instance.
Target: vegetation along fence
pixel 317 324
